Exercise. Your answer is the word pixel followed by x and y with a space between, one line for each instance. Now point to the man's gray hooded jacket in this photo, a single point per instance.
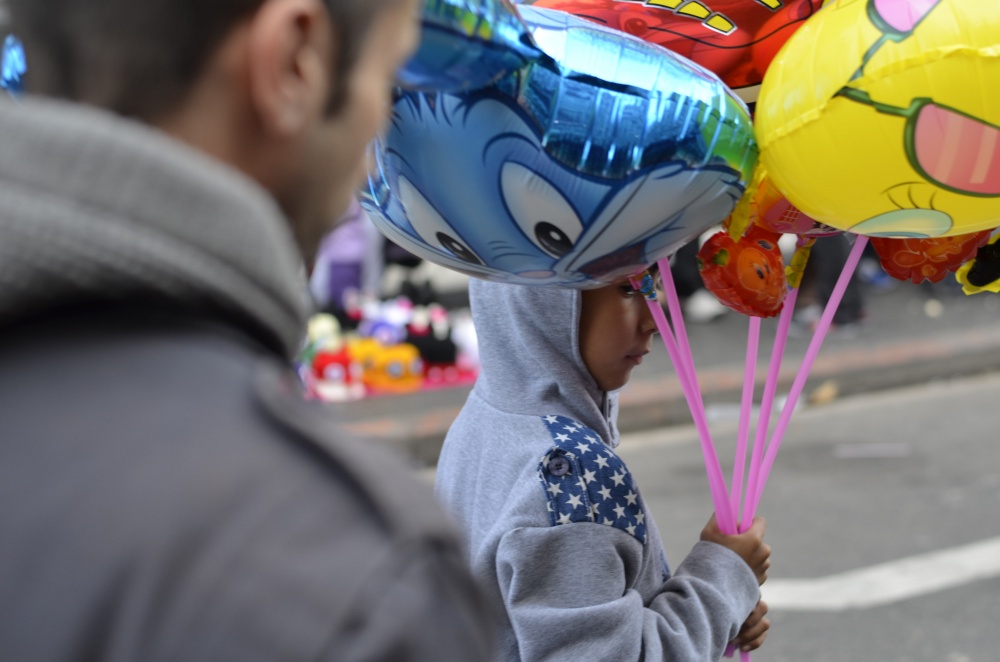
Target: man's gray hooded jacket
pixel 165 494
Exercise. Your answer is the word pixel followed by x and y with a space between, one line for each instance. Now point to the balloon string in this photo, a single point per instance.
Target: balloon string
pixel 740 460
pixel 683 360
pixel 767 405
pixel 807 362
pixel 716 482
pixel 683 344
pixel 746 406
pixel 674 305
pixel 687 356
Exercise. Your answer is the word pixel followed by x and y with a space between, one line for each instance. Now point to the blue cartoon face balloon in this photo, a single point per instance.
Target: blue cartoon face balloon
pixel 600 156
pixel 466 44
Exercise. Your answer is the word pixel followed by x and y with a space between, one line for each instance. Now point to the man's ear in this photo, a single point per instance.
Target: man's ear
pixel 289 60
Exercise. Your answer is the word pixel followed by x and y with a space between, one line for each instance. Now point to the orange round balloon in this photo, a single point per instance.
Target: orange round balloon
pixel 746 275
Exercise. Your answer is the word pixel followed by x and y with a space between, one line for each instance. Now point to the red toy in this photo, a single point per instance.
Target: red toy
pixel 746 275
pixel 337 376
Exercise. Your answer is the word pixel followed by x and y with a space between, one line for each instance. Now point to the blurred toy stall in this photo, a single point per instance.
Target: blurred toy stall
pixel 365 343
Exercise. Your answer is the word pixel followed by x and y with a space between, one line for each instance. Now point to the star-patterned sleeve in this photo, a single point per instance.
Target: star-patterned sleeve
pixel 589 586
pixel 585 481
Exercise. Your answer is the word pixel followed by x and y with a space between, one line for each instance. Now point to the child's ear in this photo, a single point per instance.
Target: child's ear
pixel 289 59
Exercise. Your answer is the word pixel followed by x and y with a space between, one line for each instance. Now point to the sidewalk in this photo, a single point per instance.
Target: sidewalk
pixel 913 334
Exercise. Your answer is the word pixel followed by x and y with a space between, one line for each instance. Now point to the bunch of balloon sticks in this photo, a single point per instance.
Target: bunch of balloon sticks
pixel 727 502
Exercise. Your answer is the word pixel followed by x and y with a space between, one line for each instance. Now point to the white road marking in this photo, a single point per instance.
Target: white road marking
pixel 889 582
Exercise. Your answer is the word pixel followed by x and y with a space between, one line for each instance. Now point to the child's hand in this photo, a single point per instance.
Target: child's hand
pixel 754 630
pixel 750 545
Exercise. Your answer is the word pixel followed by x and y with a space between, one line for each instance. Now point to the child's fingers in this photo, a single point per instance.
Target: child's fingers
pixel 759 611
pixel 751 644
pixel 758 527
pixel 763 563
pixel 754 619
pixel 755 629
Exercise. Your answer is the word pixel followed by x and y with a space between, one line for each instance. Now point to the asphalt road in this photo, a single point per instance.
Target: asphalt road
pixel 884 516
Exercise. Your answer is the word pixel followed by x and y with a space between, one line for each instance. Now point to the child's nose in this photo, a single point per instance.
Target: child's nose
pixel 647 323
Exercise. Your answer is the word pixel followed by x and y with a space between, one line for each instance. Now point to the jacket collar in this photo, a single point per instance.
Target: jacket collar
pixel 94 207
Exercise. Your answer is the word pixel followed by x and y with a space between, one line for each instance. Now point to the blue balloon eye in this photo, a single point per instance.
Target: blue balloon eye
pixel 457 248
pixel 553 240
pixel 540 210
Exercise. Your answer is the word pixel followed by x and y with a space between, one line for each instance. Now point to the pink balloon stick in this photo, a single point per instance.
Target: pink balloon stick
pixel 716 482
pixel 767 405
pixel 686 368
pixel 680 330
pixel 746 405
pixel 739 462
pixel 800 379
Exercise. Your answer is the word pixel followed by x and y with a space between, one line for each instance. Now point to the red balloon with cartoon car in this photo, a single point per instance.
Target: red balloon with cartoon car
pixel 736 39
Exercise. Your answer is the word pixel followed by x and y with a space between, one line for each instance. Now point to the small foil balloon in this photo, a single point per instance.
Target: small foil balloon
pixel 982 274
pixel 918 260
pixel 747 275
pixel 13 65
pixel 771 210
pixel 882 117
pixel 598 158
pixel 736 39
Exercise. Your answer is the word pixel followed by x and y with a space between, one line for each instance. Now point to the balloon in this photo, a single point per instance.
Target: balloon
pixel 600 157
pixel 747 275
pixel 772 211
pixel 495 41
pixel 882 117
pixel 736 39
pixel 13 65
pixel 918 260
pixel 982 274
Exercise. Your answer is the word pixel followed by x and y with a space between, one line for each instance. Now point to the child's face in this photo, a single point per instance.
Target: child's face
pixel 616 329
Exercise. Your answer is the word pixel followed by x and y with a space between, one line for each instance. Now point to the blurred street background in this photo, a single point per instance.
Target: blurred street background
pixel 910 334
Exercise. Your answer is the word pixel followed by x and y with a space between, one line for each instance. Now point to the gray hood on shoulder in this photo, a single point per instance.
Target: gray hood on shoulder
pixel 99 208
pixel 529 345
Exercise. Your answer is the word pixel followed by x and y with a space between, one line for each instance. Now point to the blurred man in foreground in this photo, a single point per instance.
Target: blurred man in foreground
pixel 164 492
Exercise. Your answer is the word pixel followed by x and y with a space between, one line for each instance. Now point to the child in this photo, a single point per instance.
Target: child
pixel 558 532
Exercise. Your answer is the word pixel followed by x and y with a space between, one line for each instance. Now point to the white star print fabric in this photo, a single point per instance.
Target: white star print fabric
pixel 585 481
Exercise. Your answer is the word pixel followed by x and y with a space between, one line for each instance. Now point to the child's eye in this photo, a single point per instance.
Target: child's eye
pixel 628 290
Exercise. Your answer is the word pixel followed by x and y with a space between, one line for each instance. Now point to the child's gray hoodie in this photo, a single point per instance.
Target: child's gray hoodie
pixel 558 532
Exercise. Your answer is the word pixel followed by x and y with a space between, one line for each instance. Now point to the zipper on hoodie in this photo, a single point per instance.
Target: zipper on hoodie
pixel 606 407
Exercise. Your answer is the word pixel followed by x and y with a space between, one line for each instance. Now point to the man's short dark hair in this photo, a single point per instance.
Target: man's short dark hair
pixel 139 58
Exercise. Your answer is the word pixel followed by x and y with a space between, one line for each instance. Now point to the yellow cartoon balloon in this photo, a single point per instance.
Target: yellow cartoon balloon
pixel 882 117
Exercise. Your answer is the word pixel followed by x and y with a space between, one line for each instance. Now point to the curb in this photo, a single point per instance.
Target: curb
pixel 651 403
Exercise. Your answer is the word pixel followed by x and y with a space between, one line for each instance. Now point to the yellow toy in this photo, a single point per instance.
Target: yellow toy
pixel 395 369
pixel 882 117
pixel 388 368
